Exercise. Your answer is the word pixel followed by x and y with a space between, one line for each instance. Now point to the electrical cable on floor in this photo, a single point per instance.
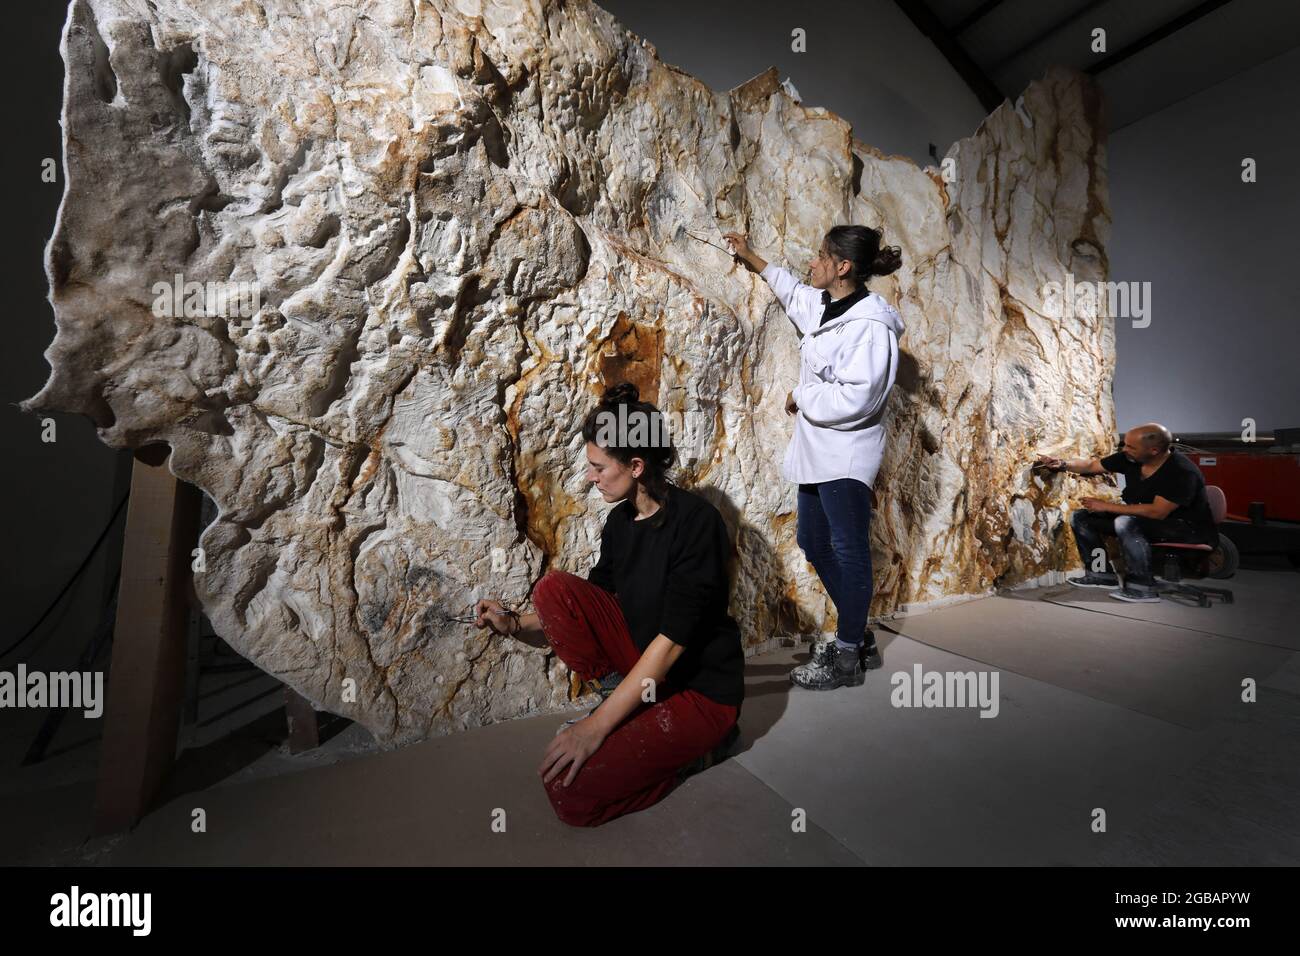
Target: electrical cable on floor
pixel 71 581
pixel 103 635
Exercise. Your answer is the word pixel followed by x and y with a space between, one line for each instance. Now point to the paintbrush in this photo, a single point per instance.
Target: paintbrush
pixel 707 243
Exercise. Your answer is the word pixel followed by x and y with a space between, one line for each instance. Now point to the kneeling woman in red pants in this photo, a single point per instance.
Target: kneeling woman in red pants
pixel 650 621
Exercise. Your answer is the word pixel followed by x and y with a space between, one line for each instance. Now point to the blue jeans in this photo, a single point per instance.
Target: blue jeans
pixel 835 534
pixel 1135 537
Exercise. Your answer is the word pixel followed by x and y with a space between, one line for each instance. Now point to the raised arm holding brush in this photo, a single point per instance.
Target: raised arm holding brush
pixel 848 360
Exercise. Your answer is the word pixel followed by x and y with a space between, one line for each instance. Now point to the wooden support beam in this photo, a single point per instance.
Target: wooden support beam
pixel 146 678
pixel 304 729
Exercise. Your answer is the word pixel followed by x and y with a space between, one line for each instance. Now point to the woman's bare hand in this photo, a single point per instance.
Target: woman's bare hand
pixel 739 244
pixel 571 748
pixel 490 613
pixel 740 248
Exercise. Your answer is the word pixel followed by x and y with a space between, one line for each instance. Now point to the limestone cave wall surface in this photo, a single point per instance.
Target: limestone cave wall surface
pixel 462 218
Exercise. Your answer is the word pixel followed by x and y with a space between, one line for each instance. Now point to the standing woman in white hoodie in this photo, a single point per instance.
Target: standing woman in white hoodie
pixel 849 358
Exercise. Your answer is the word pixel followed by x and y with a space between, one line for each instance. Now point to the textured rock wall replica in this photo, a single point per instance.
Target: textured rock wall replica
pixel 460 218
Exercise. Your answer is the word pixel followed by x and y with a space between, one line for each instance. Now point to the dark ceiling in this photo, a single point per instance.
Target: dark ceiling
pixel 1157 51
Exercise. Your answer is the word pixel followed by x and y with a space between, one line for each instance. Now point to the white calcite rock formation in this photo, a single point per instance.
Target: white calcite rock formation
pixel 459 219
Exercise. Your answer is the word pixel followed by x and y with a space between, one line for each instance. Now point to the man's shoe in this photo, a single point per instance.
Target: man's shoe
pixel 868 652
pixel 1137 595
pixel 834 667
pixel 1094 579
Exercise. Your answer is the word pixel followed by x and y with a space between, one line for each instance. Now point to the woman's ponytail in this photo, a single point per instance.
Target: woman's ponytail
pixel 861 246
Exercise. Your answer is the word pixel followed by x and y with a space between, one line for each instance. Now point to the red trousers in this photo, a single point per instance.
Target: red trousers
pixel 637 765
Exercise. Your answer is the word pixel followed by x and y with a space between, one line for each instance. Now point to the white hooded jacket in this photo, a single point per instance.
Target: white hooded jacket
pixel 846 370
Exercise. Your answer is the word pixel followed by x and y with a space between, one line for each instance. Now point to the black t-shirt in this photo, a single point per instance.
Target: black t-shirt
pixel 1177 480
pixel 669 572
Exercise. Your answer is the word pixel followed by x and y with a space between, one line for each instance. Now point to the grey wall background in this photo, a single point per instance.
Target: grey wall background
pixel 1221 255
pixel 1221 346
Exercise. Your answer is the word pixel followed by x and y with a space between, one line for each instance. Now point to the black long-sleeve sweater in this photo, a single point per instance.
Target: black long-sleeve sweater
pixel 669 572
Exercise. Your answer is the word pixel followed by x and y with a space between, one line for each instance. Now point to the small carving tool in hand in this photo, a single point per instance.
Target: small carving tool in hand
pixel 707 243
pixel 457 619
pixel 472 620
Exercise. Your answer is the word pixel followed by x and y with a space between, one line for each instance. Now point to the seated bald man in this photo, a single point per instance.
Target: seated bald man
pixel 1164 500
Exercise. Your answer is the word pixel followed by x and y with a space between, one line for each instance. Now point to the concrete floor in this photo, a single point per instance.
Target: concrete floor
pixel 1135 710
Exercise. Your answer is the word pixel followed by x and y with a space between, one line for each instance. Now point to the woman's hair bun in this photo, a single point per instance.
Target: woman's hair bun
pixel 624 392
pixel 887 260
pixel 642 433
